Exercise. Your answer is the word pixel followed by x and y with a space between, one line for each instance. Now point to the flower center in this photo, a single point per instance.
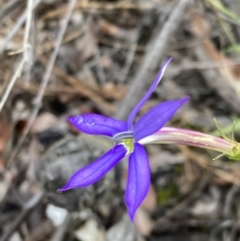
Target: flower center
pixel 125 138
pixel 123 135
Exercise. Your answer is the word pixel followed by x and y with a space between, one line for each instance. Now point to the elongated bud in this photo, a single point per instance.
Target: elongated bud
pixel 169 135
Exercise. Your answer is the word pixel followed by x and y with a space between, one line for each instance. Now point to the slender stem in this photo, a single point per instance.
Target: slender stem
pixel 155 51
pixel 11 83
pixel 26 44
pixel 16 27
pixel 46 77
pixel 170 135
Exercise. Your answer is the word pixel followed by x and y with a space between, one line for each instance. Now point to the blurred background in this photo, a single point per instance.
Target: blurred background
pixel 61 58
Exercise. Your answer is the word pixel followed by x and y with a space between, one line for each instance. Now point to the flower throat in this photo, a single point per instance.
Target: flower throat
pixel 126 138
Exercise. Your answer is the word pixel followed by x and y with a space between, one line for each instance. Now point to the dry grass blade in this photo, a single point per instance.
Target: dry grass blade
pixel 85 90
pixel 156 50
pixel 26 47
pixel 8 8
pixel 11 83
pixel 205 162
pixel 87 5
pixel 45 80
pixel 26 210
pixel 17 26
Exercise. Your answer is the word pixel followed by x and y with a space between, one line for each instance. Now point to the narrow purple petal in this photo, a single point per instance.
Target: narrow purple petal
pixel 138 179
pixel 145 98
pixel 97 124
pixel 156 118
pixel 96 170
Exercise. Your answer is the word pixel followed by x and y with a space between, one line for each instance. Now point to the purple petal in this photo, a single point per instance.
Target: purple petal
pixel 138 179
pixel 156 118
pixel 96 170
pixel 145 98
pixel 97 124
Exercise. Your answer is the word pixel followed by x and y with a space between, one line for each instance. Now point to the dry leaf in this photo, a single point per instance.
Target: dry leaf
pixel 143 222
pixel 87 45
pixel 230 70
pixel 150 202
pixel 43 122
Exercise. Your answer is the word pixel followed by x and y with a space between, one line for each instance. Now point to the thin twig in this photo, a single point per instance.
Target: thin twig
pixel 100 71
pixel 184 203
pixel 11 83
pixel 152 58
pixel 27 49
pixel 8 8
pixel 222 226
pixel 53 57
pixel 61 231
pixel 227 210
pixel 217 82
pixel 26 54
pixel 86 90
pixel 16 27
pixel 131 54
pixel 28 27
pixel 87 5
pixel 38 100
pixel 27 208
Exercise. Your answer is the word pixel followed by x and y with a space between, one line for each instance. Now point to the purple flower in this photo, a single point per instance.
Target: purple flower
pixel 126 136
